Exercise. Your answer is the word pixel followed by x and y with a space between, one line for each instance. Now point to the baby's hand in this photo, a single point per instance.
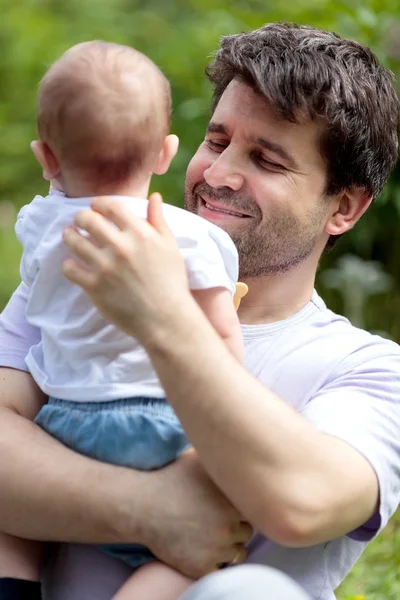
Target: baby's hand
pixel 241 291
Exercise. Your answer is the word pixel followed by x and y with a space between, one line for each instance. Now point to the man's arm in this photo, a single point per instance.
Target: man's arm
pixel 295 484
pixel 48 492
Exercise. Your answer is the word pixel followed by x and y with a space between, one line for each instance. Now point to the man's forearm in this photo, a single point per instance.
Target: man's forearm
pixel 48 492
pixel 279 471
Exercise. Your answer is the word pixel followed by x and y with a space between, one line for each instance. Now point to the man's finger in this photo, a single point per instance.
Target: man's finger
pixel 77 273
pixel 155 214
pixel 244 533
pixel 80 246
pixel 116 212
pixel 237 555
pixel 97 227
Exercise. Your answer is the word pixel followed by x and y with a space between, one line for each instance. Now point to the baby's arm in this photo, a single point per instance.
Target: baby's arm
pixel 217 305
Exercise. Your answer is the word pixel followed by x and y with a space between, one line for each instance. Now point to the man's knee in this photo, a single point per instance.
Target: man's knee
pixel 246 582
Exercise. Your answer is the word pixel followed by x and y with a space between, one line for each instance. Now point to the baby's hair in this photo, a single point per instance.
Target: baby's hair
pixel 104 111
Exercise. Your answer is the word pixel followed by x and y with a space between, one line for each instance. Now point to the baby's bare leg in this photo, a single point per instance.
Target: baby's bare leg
pixel 20 559
pixel 154 581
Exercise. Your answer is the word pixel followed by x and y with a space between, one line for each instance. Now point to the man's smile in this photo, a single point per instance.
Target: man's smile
pixel 215 210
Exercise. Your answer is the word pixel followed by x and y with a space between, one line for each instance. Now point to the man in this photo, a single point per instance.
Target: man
pixel 302 138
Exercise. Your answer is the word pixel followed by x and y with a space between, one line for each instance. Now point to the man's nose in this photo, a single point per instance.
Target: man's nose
pixel 225 171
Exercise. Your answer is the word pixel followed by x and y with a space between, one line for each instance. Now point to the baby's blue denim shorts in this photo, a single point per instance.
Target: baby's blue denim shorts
pixel 141 433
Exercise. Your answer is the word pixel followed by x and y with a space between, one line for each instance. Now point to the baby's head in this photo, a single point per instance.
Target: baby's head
pixel 103 119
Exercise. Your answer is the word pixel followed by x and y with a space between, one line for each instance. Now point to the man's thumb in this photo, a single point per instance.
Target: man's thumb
pixel 154 212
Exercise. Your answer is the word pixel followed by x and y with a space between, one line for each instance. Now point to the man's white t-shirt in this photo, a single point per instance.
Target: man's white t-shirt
pixel 342 379
pixel 346 382
pixel 81 356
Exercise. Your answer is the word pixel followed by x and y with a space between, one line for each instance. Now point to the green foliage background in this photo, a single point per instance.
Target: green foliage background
pixel 360 278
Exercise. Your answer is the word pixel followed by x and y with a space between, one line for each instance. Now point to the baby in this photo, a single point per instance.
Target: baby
pixel 103 121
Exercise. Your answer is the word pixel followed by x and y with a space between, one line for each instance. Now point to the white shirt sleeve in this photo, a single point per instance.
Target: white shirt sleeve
pixel 211 259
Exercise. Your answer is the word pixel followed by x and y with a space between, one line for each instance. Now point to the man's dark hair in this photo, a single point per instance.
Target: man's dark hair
pixel 308 73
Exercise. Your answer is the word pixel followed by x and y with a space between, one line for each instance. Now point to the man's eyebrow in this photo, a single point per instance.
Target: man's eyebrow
pixel 276 149
pixel 214 127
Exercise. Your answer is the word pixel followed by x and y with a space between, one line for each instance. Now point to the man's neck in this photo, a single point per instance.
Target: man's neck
pixel 277 297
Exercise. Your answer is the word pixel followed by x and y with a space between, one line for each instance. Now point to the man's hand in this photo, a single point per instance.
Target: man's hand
pixel 193 527
pixel 133 272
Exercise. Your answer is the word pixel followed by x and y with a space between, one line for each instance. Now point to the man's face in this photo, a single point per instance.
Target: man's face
pixel 262 180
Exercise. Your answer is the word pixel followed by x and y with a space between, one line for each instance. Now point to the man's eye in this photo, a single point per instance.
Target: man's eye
pixel 217 146
pixel 268 164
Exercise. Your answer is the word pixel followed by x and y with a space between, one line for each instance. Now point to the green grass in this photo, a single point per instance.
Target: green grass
pixel 377 574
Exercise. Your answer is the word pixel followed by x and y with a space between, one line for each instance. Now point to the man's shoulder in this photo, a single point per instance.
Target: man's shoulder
pixel 341 354
pixel 329 347
pixel 343 339
pixel 322 349
pixel 321 336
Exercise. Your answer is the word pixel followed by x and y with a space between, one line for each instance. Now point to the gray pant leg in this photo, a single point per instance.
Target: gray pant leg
pixel 246 582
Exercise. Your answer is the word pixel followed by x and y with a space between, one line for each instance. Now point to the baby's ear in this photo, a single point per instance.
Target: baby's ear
pixel 46 159
pixel 168 152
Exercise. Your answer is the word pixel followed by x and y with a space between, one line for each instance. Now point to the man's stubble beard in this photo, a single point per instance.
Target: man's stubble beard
pixel 270 245
pixel 274 246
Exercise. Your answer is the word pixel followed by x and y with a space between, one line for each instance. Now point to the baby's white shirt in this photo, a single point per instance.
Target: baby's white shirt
pixel 82 357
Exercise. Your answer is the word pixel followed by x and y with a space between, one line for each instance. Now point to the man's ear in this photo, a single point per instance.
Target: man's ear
pixel 168 152
pixel 47 159
pixel 350 206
